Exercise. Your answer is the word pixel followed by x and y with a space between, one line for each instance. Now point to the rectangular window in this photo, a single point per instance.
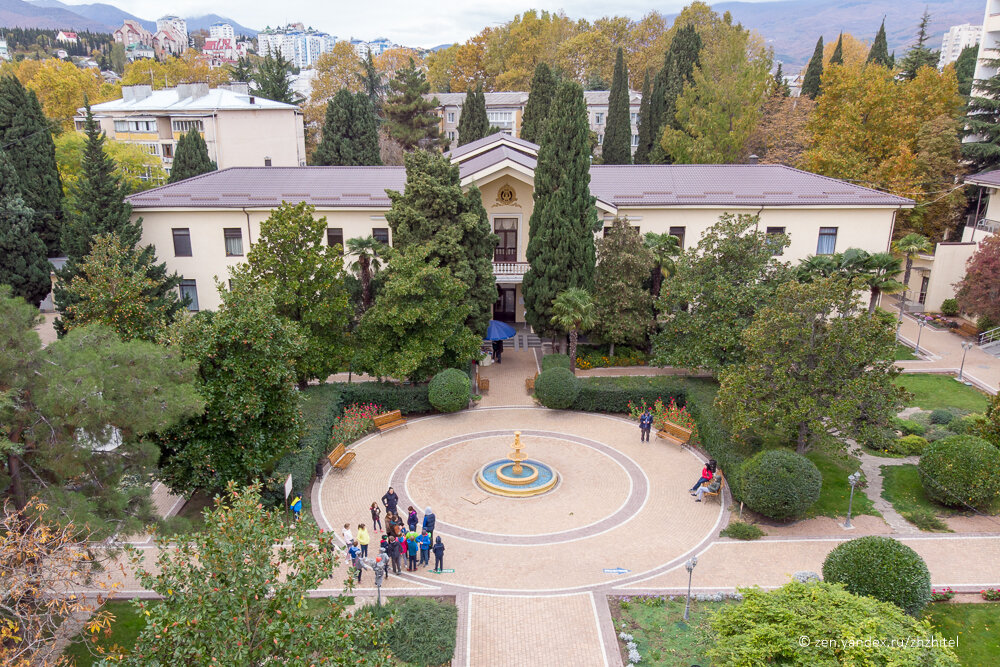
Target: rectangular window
pixel 81 125
pixel 679 233
pixel 502 119
pixel 635 139
pixel 182 242
pixel 599 118
pixel 335 236
pixel 506 231
pixel 451 135
pixel 234 241
pixel 186 125
pixel 168 150
pixel 152 149
pixel 451 116
pixel 381 234
pixel 189 291
pixel 634 117
pixel 120 126
pixel 827 244
pixel 600 140
pixel 924 282
pixel 267 162
pixel 776 231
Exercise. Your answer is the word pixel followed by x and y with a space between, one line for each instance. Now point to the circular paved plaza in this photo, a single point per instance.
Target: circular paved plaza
pixel 619 503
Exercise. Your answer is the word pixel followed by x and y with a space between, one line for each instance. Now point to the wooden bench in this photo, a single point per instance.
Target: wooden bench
pixel 675 432
pixel 484 385
pixel 340 457
pixel 389 420
pixel 529 383
pixel 722 486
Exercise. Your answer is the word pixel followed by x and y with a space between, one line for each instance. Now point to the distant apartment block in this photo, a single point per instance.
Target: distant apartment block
pixel 221 47
pixel 222 30
pixel 4 51
pixel 956 39
pixel 376 47
pixel 240 129
pixel 506 110
pixel 299 45
pixel 131 33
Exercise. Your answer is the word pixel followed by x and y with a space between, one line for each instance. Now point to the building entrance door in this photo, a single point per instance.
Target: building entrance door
pixel 503 309
pixel 506 231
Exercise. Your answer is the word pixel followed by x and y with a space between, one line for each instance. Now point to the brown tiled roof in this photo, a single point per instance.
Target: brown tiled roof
pixel 495 155
pixel 987 178
pixel 473 146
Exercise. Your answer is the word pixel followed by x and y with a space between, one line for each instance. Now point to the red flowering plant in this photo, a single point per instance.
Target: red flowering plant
pixel 991 594
pixel 358 419
pixel 664 412
pixel 942 594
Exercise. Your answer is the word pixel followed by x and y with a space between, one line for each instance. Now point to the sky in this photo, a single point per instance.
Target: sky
pixel 407 22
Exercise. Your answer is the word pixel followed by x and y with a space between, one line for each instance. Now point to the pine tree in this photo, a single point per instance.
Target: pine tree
pixel 270 81
pixel 191 157
pixel 452 226
pixel 982 123
pixel 645 140
pixel 780 85
pixel 23 263
pixel 814 72
pixel 879 53
pixel 561 229
pixel 25 135
pixel 371 81
pixel 536 111
pixel 919 55
pixel 473 124
pixel 410 117
pixel 965 68
pixel 241 70
pixel 838 52
pixel 617 147
pixel 350 133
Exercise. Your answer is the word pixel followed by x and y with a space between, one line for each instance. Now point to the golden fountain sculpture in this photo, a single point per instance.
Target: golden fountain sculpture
pixel 517 476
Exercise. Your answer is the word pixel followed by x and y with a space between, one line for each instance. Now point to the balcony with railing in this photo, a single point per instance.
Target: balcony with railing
pixel 975 225
pixel 509 272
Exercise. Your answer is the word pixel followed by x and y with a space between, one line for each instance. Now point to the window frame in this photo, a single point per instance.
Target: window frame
pixel 182 233
pixel 191 284
pixel 232 233
pixel 826 233
pixel 672 230
pixel 381 231
pixel 334 232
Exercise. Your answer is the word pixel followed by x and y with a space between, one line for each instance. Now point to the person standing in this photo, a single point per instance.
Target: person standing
pixel 425 547
pixel 497 350
pixel 363 539
pixel 429 521
pixel 412 548
pixel 354 553
pixel 392 549
pixel 376 514
pixel 348 536
pixel 390 500
pixel 411 518
pixel 438 555
pixel 296 507
pixel 645 424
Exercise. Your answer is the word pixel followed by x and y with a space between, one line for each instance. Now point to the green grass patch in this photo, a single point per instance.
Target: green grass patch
pixel 835 494
pixel 901 486
pixel 932 391
pixel 904 353
pixel 122 633
pixel 973 625
pixel 742 531
pixel 658 628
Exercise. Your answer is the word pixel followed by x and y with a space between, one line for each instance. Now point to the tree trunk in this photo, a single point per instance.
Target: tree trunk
pixel 572 351
pixel 611 350
pixel 802 443
pixel 657 281
pixel 366 284
pixel 873 302
pixel 16 488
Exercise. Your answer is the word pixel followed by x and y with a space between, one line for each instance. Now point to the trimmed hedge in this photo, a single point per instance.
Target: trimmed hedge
pixel 941 416
pixel 557 388
pixel 448 391
pixel 612 395
pixel 780 484
pixel 555 361
pixel 423 630
pixel 949 307
pixel 961 470
pixel 908 445
pixel 408 399
pixel 882 568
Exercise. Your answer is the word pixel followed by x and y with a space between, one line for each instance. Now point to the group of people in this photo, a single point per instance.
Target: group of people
pixel 400 540
pixel 709 482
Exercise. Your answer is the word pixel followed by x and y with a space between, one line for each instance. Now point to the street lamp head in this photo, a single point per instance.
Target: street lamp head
pixel 968 345
pixel 854 478
pixel 689 566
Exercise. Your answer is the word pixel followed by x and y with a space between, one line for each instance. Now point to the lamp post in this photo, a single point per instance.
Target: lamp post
pixel 920 330
pixel 689 566
pixel 853 480
pixel 965 350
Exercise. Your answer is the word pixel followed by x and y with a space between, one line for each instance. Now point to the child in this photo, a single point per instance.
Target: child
pixel 383 547
pixel 354 554
pixel 411 520
pixel 363 540
pixel 296 507
pixel 348 536
pixel 425 548
pixel 438 555
pixel 376 513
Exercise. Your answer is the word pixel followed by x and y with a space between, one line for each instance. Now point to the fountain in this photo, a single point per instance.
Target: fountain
pixel 517 476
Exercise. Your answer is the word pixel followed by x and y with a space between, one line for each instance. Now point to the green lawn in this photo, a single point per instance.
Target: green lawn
pixel 904 353
pixel 836 492
pixel 659 630
pixel 941 391
pixel 901 486
pixel 123 632
pixel 976 626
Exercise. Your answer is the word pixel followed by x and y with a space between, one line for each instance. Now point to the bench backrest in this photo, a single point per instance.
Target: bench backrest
pixel 388 417
pixel 336 454
pixel 682 433
pixel 722 484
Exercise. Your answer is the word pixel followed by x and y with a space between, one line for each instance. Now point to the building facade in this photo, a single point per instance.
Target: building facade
pixel 131 32
pixel 989 44
pixel 204 225
pixel 956 39
pixel 299 45
pixel 240 129
pixel 4 51
pixel 66 37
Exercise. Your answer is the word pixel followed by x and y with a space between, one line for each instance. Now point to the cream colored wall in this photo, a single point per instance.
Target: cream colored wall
pixel 992 204
pixel 521 209
pixel 944 268
pixel 244 138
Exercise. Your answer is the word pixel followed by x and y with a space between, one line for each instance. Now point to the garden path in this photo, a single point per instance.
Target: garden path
pixel 871 466
pixel 944 355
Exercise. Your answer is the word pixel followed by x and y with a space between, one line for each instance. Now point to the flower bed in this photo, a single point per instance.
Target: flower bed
pixel 599 358
pixel 358 420
pixel 936 321
pixel 664 412
pixel 942 594
pixel 991 594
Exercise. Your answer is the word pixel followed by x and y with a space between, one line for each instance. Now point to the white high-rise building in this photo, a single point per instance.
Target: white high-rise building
pixel 174 24
pixel 956 39
pixel 299 45
pixel 222 31
pixel 989 45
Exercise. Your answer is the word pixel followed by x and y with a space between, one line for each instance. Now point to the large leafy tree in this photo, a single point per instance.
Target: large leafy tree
pixel 718 287
pixel 818 364
pixel 919 54
pixel 72 416
pixel 473 124
pixel 561 230
pixel 812 80
pixel 238 588
pixel 139 169
pixel 410 118
pixel 617 146
pixel 573 312
pixel 245 353
pixel 623 307
pixel 979 290
pixel 645 133
pixel 417 325
pixel 452 226
pixel 25 136
pixel 191 157
pixel 536 111
pixel 879 53
pixel 270 80
pixel 306 279
pixel 350 134
pixel 23 263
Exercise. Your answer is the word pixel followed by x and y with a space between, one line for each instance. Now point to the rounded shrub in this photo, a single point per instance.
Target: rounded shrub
pixel 908 426
pixel 423 630
pixel 941 416
pixel 908 445
pixel 937 432
pixel 985 323
pixel 555 361
pixel 882 568
pixel 949 307
pixel 960 471
pixel 557 388
pixel 780 484
pixel 449 390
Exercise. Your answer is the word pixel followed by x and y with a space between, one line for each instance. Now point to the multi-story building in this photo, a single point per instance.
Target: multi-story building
pixel 171 38
pixel 132 32
pixel 138 51
pixel 239 128
pixel 202 226
pixel 957 38
pixel 66 37
pixel 4 52
pixel 222 30
pixel 299 45
pixel 505 111
pixel 376 47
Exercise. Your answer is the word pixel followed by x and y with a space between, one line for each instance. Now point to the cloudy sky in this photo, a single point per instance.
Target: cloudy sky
pixel 410 22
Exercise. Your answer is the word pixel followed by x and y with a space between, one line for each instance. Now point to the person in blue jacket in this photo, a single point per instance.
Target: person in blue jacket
pixel 645 424
pixel 425 548
pixel 429 521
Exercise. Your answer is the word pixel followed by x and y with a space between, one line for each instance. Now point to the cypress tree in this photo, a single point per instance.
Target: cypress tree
pixel 838 52
pixel 645 141
pixel 562 225
pixel 965 68
pixel 410 117
pixel 536 111
pixel 879 53
pixel 678 68
pixel 474 123
pixel 350 133
pixel 25 135
pixel 982 123
pixel 434 212
pixel 780 85
pixel 617 148
pixel 190 157
pixel 23 263
pixel 814 72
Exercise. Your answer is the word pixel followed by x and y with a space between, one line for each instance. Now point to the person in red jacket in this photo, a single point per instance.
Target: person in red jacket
pixel 706 475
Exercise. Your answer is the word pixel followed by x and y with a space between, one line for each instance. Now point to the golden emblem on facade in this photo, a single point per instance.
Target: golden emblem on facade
pixel 506 196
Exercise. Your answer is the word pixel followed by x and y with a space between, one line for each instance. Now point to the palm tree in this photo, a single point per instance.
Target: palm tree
pixel 910 246
pixel 882 269
pixel 366 265
pixel 573 312
pixel 665 247
pixel 817 266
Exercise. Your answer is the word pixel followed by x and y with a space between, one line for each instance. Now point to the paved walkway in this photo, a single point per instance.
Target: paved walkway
pixel 943 354
pixel 507 379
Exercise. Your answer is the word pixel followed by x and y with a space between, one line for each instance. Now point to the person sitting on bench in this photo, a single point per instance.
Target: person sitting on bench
pixel 706 475
pixel 713 487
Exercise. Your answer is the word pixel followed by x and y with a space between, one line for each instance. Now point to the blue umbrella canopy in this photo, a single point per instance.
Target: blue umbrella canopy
pixel 499 331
